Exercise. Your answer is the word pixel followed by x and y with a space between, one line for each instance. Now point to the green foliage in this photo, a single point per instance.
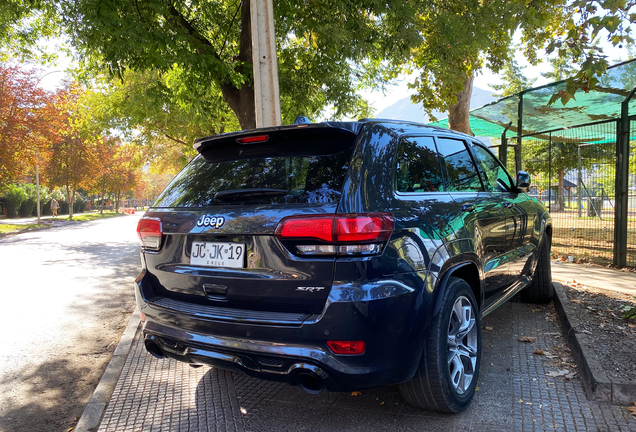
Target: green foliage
pixel 513 80
pixel 28 204
pixel 327 50
pixel 23 23
pixel 629 312
pixel 461 37
pixel 14 195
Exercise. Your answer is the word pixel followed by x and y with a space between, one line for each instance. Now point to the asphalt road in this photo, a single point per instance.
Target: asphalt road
pixel 65 298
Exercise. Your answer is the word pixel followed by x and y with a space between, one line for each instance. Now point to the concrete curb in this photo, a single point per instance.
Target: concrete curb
pixel 94 411
pixel 596 382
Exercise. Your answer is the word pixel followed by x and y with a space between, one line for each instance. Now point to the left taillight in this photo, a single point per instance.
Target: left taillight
pixel 150 234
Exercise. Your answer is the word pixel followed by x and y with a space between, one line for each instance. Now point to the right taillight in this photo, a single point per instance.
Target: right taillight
pixel 150 234
pixel 348 234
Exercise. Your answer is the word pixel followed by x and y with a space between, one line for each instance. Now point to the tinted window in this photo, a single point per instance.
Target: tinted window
pixel 495 178
pixel 418 168
pixel 282 179
pixel 460 174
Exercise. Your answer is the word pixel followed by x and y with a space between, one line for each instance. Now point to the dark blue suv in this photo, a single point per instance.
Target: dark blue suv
pixel 341 256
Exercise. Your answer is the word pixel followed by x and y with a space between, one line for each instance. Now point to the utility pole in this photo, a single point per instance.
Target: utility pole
pixel 266 93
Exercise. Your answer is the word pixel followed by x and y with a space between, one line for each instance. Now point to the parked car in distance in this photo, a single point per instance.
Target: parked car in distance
pixel 342 256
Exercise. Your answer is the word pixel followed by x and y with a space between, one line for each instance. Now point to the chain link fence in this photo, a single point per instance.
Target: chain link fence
pixel 573 172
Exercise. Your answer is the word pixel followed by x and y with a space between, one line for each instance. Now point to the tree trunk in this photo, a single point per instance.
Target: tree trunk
pixel 241 101
pixel 70 193
pixel 560 189
pixel 458 118
pixel 101 207
pixel 117 202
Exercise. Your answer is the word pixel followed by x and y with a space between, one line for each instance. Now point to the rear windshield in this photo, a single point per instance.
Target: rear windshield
pixel 261 180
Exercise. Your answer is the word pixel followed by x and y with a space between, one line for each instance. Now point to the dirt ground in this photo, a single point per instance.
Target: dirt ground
pixel 589 239
pixel 601 315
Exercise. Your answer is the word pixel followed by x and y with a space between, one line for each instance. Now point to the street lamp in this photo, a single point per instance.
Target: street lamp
pixel 37 167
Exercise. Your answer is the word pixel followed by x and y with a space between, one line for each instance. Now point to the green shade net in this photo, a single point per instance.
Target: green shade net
pixel 604 103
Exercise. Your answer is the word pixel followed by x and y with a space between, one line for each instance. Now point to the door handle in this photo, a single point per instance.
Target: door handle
pixel 467 207
pixel 507 204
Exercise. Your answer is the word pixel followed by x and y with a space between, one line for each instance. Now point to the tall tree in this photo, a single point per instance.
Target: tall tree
pixel 328 47
pixel 74 161
pixel 24 122
pixel 513 80
pixel 461 37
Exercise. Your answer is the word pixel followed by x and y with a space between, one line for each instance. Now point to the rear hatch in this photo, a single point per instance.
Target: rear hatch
pixel 218 218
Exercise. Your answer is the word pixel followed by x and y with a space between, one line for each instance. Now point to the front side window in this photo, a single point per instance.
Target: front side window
pixel 495 177
pixel 460 174
pixel 418 167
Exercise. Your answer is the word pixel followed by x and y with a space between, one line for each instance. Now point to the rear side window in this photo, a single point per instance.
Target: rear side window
pixel 460 173
pixel 259 180
pixel 495 177
pixel 418 168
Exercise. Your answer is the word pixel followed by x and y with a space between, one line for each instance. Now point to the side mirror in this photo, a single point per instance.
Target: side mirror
pixel 523 181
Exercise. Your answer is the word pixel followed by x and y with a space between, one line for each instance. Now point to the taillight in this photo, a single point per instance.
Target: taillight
pixel 150 234
pixel 348 234
pixel 347 347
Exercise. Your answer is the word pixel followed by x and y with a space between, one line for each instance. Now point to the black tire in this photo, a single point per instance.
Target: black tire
pixel 432 386
pixel 541 290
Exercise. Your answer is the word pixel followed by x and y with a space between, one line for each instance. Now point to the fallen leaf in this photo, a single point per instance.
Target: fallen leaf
pixel 356 393
pixel 487 328
pixel 559 373
pixel 632 409
pixel 575 301
pixel 527 339
pixel 538 352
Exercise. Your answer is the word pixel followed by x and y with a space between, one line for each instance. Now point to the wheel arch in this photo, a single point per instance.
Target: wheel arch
pixel 469 272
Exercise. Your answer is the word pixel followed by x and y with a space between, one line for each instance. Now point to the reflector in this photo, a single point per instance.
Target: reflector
pixel 347 347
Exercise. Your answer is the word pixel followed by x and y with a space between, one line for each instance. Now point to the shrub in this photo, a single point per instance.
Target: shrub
pixel 14 196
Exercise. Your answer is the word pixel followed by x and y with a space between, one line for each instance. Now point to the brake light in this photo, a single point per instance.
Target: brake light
pixel 253 139
pixel 348 234
pixel 347 347
pixel 150 233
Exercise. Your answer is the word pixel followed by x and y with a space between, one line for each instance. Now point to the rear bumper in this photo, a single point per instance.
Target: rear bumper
pixel 277 346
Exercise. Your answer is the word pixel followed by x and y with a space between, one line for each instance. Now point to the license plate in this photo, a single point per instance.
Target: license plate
pixel 215 254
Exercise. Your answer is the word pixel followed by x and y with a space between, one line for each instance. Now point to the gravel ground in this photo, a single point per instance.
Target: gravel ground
pixel 601 314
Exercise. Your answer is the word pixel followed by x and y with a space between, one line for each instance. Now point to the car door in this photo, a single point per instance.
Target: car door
pixel 482 213
pixel 520 212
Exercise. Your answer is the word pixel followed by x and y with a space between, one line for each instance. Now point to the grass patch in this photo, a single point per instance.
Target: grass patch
pixel 14 228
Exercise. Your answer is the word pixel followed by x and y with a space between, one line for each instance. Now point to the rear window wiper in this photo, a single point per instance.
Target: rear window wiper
pixel 230 194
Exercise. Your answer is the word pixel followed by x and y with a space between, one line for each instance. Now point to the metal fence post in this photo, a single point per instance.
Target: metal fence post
pixel 519 133
pixel 622 191
pixel 579 181
pixel 503 148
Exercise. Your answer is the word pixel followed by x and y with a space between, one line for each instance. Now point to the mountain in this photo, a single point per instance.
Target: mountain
pixel 404 109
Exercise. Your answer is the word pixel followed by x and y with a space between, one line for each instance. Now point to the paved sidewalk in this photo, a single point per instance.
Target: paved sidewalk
pixel 515 393
pixel 30 220
pixel 598 277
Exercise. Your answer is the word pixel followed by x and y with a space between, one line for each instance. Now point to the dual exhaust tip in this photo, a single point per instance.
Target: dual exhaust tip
pixel 308 377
